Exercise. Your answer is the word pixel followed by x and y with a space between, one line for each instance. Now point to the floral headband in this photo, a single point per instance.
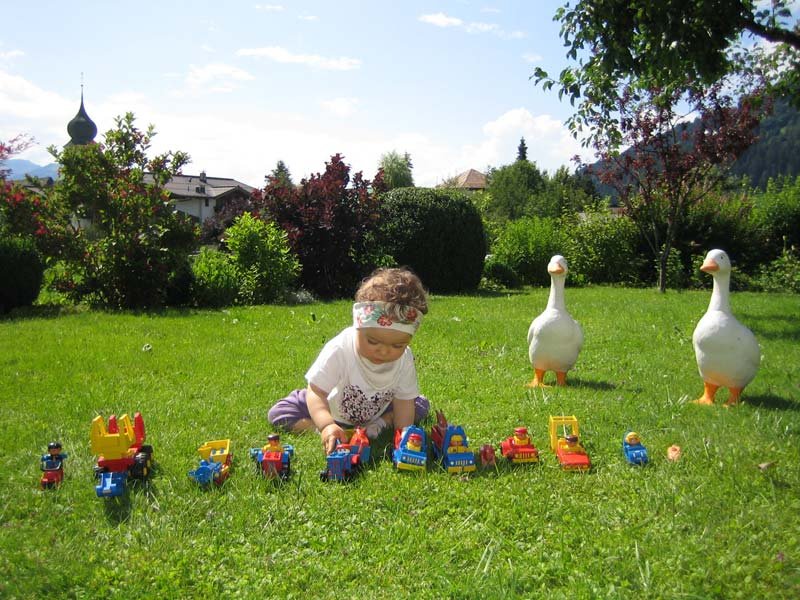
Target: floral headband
pixel 386 315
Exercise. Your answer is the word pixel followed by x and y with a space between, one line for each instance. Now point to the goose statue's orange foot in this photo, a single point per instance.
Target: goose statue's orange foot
pixel 727 352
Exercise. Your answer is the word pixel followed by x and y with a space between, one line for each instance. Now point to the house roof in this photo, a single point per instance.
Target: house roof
pixel 471 180
pixel 186 187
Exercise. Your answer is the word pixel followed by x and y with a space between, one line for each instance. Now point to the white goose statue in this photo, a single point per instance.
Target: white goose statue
pixel 727 352
pixel 554 337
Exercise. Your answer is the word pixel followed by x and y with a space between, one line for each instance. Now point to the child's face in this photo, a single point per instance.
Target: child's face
pixel 380 346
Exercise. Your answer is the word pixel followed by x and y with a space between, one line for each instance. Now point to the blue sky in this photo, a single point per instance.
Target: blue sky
pixel 241 85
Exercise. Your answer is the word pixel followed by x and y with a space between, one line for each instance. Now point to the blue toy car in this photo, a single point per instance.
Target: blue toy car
pixel 410 453
pixel 635 452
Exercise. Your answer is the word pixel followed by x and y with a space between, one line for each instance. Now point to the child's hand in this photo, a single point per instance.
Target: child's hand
pixel 331 435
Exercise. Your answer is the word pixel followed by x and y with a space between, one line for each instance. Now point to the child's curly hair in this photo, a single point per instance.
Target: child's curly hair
pixel 395 286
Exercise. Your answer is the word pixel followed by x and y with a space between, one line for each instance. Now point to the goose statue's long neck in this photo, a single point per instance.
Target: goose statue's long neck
pixel 720 295
pixel 556 299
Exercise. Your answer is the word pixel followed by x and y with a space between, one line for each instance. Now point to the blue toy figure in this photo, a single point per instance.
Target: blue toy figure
pixel 635 452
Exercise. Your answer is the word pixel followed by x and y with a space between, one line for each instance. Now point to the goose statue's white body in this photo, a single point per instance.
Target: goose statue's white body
pixel 727 352
pixel 554 337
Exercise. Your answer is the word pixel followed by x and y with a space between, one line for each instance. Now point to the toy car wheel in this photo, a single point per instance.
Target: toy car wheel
pixel 323 475
pixel 141 466
pixel 98 472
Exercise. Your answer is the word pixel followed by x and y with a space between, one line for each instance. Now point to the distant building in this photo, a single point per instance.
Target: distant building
pixel 470 180
pixel 200 196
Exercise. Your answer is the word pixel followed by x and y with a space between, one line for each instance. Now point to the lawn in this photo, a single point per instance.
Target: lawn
pixel 723 522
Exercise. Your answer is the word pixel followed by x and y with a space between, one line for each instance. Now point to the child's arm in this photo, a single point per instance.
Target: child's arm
pixel 403 413
pixel 318 408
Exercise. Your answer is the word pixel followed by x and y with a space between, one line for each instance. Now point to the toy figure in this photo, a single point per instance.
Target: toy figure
pixel 345 462
pixel 634 451
pixel 215 463
pixel 518 447
pixel 52 465
pixel 121 453
pixel 273 459
pixel 409 452
pixel 451 447
pixel 568 449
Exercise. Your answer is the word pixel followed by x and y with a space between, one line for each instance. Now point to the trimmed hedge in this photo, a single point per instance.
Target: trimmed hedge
pixel 21 273
pixel 438 233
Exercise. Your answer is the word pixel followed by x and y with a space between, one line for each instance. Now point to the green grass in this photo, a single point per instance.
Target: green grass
pixel 713 525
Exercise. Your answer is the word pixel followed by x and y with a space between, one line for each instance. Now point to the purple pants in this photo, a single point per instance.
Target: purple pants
pixel 288 411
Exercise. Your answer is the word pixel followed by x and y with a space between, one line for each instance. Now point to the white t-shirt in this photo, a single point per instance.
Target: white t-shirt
pixel 358 390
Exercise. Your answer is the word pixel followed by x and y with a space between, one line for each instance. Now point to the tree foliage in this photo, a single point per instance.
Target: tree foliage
pixel 135 253
pixel 670 45
pixel 396 170
pixel 670 164
pixel 329 219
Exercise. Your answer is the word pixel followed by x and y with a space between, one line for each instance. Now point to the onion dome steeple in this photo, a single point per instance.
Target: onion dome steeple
pixel 81 128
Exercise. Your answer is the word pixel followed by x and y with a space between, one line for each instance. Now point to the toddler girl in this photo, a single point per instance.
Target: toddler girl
pixel 365 376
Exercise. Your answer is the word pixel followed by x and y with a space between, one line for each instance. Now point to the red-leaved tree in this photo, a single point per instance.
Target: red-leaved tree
pixel 671 162
pixel 330 219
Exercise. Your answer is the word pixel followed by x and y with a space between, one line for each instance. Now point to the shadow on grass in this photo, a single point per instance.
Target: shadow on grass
pixel 771 402
pixel 773 327
pixel 592 385
pixel 118 510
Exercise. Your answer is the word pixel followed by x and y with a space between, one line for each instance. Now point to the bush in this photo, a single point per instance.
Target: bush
pixel 499 273
pixel 782 274
pixel 527 245
pixel 602 248
pixel 21 272
pixel 777 216
pixel 216 282
pixel 261 252
pixel 438 233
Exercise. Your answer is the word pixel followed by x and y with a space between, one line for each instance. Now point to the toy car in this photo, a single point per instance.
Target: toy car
pixel 410 452
pixel 120 453
pixel 52 466
pixel 344 463
pixel 451 447
pixel 570 452
pixel 273 459
pixel 635 452
pixel 215 463
pixel 518 448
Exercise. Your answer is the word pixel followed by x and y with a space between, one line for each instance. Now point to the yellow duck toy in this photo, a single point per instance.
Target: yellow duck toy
pixel 727 352
pixel 554 337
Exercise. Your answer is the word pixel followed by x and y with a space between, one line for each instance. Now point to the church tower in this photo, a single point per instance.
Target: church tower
pixel 81 128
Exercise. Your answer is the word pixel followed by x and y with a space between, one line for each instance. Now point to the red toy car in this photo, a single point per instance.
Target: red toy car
pixel 518 448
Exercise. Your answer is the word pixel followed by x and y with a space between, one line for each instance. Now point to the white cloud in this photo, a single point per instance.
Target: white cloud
pixel 550 144
pixel 282 55
pixel 477 27
pixel 269 7
pixel 340 107
pixel 11 54
pixel 215 77
pixel 308 18
pixel 441 20
pixel 531 57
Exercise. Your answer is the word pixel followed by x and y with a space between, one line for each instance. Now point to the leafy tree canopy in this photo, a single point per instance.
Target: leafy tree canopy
pixel 668 45
pixel 396 170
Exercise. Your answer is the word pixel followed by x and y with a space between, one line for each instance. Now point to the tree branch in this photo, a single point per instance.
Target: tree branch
pixel 772 34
